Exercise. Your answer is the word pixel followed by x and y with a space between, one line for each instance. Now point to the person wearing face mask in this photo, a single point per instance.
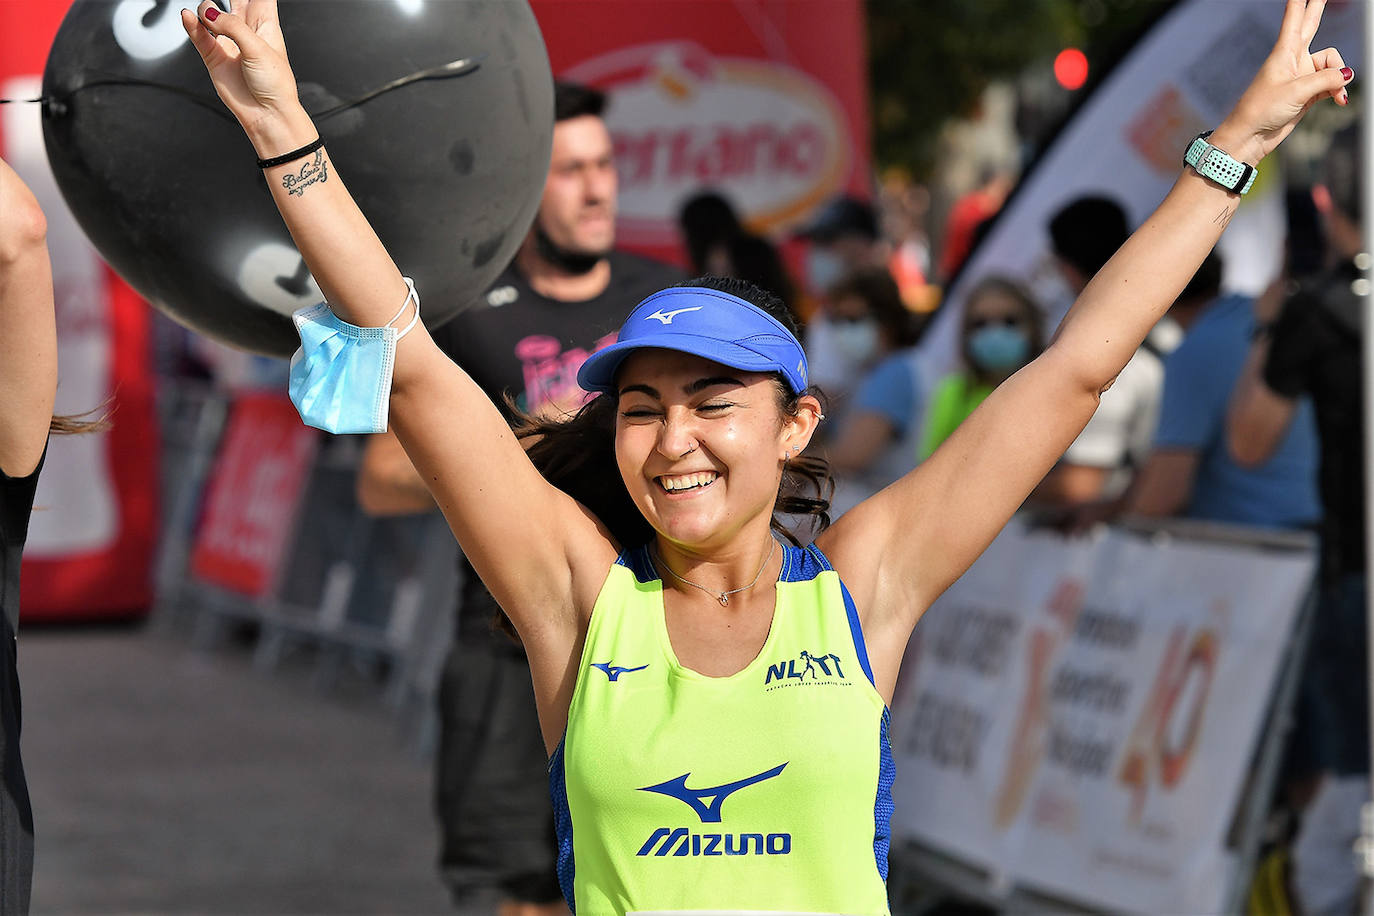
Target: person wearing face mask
pixel 842 238
pixel 1002 332
pixel 877 438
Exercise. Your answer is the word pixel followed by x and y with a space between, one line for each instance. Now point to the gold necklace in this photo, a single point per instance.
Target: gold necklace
pixel 722 597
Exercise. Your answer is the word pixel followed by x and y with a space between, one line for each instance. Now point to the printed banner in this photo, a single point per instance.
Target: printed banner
pixel 255 490
pixel 1126 142
pixel 764 101
pixel 94 528
pixel 1080 716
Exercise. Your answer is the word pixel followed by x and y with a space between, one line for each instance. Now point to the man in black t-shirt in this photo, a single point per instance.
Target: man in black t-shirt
pixel 563 298
pixel 1312 347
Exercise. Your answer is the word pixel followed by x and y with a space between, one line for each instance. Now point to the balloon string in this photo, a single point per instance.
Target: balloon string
pixel 454 68
pixel 56 105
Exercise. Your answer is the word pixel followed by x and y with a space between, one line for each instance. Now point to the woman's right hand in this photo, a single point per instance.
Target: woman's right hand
pixel 245 55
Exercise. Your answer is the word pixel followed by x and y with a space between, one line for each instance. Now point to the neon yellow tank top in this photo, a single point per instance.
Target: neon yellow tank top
pixel 770 789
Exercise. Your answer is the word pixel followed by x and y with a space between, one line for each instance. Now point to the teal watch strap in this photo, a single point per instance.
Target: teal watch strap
pixel 1214 164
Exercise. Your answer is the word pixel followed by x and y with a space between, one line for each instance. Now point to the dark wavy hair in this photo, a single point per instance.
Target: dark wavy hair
pixel 577 454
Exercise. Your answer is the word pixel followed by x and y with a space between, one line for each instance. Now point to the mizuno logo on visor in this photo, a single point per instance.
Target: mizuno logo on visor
pixel 667 317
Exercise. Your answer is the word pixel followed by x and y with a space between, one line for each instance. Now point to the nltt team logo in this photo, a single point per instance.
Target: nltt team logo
pixel 706 804
pixel 806 668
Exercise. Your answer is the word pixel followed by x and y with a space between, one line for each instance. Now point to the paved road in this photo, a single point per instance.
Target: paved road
pixel 170 781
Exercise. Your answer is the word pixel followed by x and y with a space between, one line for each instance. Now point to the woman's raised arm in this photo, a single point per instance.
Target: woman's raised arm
pixel 542 555
pixel 28 333
pixel 919 535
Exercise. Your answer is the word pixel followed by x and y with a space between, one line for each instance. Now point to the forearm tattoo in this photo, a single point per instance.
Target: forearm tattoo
pixel 314 170
pixel 1223 218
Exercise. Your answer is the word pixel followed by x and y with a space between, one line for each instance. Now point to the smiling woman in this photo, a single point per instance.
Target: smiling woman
pixel 715 700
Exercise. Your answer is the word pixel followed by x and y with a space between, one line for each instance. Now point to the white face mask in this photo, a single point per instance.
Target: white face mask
pixel 857 341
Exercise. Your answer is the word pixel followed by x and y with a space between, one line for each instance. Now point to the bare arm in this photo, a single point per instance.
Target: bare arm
pixel 28 331
pixel 1071 484
pixel 903 547
pixel 1258 417
pixel 541 554
pixel 1165 484
pixel 388 483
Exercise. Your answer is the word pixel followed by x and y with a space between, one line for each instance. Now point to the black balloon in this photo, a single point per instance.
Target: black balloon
pixel 448 168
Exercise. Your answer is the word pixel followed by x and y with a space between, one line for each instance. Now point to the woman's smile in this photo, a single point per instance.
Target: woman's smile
pixel 683 484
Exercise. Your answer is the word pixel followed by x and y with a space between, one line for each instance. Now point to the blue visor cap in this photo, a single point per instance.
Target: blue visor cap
pixel 704 322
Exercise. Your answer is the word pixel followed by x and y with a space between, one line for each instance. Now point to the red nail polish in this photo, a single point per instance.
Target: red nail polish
pixel 1347 73
pixel 211 14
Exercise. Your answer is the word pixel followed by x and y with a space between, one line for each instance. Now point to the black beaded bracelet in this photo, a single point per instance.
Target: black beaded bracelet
pixel 293 155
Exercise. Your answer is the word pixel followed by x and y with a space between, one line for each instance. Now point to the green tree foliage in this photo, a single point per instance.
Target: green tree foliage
pixel 930 60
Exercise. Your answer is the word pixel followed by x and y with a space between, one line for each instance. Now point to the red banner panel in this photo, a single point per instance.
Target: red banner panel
pixel 256 486
pixel 764 101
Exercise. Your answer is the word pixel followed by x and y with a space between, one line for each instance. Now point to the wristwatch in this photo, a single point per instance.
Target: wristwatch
pixel 1216 165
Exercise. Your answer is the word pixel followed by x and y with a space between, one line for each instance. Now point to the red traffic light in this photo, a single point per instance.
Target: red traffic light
pixel 1071 68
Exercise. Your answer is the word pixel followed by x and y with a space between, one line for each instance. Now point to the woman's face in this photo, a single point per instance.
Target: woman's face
pixel 996 333
pixel 700 445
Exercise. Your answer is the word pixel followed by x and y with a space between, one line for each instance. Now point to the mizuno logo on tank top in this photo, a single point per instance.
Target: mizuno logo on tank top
pixel 678 841
pixel 613 672
pixel 709 812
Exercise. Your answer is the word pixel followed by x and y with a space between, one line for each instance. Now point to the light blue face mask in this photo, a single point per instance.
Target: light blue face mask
pixel 341 375
pixel 998 348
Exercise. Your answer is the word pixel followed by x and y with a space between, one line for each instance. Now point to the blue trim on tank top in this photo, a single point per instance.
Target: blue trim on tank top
pixel 882 803
pixel 638 561
pixel 562 824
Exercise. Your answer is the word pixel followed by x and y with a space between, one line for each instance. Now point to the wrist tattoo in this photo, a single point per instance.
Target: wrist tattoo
pixel 314 170
pixel 1224 217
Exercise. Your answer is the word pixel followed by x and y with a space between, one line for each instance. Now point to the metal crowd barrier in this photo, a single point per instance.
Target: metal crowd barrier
pixel 374 594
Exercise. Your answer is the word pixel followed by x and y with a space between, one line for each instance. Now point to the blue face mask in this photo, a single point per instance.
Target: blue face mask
pixel 998 348
pixel 341 375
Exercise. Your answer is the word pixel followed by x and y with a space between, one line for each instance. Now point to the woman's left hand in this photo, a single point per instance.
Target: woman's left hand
pixel 1290 81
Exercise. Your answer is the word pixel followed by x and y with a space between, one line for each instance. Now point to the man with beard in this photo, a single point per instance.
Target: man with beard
pixel 562 298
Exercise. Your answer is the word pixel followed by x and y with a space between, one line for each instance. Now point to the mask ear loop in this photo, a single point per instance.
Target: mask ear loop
pixel 411 295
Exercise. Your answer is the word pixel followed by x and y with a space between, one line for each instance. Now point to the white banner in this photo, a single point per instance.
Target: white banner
pixel 1126 142
pixel 1078 717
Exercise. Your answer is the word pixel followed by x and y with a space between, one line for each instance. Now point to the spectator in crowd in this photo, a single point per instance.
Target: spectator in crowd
pixel 1084 234
pixel 1190 471
pixel 707 221
pixel 1310 347
pixel 843 238
pixel 904 206
pixel 1002 331
pixel 878 435
pixel 719 245
pixel 562 298
pixel 970 213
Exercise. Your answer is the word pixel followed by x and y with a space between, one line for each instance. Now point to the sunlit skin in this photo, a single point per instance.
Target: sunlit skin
pixel 701 448
pixel 680 415
pixel 577 210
